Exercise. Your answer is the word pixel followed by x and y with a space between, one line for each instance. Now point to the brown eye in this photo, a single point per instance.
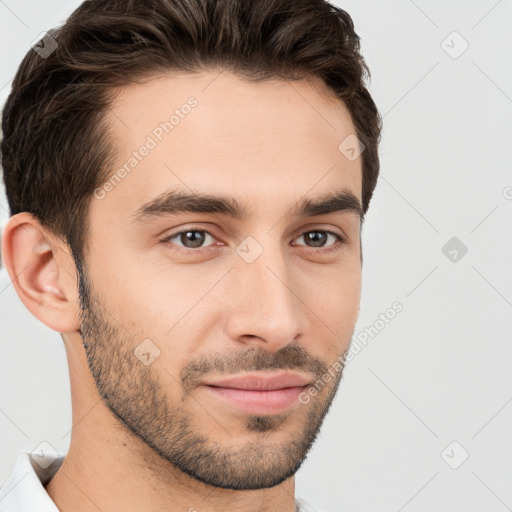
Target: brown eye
pixel 190 238
pixel 319 237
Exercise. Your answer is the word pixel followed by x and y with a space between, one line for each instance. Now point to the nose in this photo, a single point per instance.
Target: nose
pixel 265 304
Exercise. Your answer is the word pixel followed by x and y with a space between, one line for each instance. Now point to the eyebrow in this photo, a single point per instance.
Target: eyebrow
pixel 175 202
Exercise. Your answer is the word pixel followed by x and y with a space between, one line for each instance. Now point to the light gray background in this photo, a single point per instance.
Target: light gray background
pixel 440 371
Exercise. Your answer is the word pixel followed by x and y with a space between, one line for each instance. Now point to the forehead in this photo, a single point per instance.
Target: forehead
pixel 271 142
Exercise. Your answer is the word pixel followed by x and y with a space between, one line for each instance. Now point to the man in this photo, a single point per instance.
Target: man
pixel 201 367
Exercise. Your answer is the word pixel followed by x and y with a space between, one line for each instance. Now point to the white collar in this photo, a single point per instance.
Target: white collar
pixel 24 489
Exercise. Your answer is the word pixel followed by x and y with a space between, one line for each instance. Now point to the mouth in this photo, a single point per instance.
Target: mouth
pixel 259 393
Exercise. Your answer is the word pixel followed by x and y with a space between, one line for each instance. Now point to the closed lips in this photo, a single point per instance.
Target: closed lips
pixel 256 383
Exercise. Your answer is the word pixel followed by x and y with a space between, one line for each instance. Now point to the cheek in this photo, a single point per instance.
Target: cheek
pixel 335 306
pixel 338 288
pixel 152 292
pixel 170 307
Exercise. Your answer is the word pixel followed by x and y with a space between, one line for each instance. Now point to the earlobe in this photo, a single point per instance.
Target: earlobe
pixel 40 272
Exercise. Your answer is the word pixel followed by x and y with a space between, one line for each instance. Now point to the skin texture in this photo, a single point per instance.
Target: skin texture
pixel 149 436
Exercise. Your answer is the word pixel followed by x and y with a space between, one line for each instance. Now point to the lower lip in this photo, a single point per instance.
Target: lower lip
pixel 258 402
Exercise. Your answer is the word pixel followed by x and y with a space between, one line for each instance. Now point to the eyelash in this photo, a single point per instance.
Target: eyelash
pixel 334 247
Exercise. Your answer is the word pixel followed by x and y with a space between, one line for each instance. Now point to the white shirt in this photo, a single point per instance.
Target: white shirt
pixel 24 490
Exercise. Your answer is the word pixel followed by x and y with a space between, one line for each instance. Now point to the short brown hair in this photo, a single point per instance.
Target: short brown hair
pixel 55 148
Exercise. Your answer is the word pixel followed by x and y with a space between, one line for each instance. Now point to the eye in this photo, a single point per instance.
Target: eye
pixel 190 238
pixel 318 237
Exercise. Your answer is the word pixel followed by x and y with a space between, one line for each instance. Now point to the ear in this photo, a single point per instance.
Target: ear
pixel 42 271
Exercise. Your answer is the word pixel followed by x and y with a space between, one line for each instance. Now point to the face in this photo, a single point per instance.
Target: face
pixel 254 278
